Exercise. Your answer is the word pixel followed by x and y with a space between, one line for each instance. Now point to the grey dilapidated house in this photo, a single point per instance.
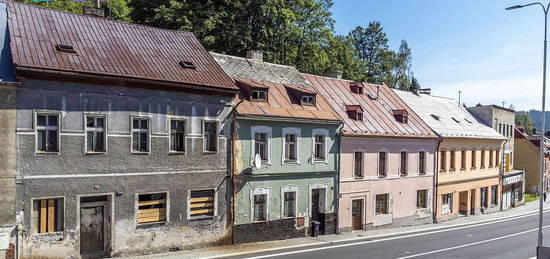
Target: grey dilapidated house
pixel 121 136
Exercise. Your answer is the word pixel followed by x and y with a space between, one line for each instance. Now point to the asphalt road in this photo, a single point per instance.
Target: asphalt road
pixel 514 238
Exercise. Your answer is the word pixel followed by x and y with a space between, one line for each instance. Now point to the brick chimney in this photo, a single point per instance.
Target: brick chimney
pixel 336 74
pixel 255 55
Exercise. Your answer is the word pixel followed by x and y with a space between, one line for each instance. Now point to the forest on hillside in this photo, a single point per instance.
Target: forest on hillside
pixel 292 32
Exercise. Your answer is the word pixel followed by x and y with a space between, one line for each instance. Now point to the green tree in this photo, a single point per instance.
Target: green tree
pixel 402 67
pixel 371 45
pixel 523 119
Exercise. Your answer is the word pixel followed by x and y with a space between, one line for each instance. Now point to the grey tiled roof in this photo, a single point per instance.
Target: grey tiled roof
pixel 238 67
pixel 446 118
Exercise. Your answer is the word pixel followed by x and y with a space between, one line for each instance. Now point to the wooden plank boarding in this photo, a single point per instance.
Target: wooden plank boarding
pixel 154 202
pixel 43 216
pixel 51 215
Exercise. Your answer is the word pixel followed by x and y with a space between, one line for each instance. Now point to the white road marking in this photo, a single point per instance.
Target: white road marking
pixel 471 244
pixel 383 239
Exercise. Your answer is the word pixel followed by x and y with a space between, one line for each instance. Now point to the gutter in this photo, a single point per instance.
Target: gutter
pixel 233 166
pixel 337 185
pixel 436 174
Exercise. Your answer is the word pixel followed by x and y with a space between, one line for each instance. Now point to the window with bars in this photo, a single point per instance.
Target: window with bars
pixel 403 163
pixel 260 145
pixel 140 135
pixel 47 132
pixel 260 207
pixel 289 207
pixel 290 148
pixel 320 147
pixel 421 162
pixel 177 135
pixel 358 165
pixel 382 172
pixel 210 136
pixel 422 199
pixel 382 204
pixel 151 208
pixel 48 215
pixel 95 134
pixel 201 204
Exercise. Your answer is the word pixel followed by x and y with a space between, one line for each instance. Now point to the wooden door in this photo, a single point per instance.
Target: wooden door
pixel 91 229
pixel 472 201
pixel 356 214
pixel 315 206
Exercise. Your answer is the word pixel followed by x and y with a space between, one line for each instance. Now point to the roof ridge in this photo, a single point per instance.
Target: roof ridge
pixel 91 16
pixel 342 79
pixel 264 62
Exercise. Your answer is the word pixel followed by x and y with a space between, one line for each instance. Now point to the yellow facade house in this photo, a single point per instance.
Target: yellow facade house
pixel 469 157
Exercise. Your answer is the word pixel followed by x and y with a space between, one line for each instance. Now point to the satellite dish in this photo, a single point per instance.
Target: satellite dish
pixel 258 161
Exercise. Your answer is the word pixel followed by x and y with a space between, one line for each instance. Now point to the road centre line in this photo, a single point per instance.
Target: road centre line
pixel 471 244
pixel 387 239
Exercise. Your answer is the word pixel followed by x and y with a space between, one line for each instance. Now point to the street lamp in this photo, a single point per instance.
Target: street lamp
pixel 542 164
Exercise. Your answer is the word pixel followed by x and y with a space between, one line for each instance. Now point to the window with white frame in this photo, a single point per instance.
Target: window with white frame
pixel 291 147
pixel 358 164
pixel 259 95
pixel 96 134
pixel 47 132
pixel 177 135
pixel 382 204
pixel 446 203
pixel 210 136
pixel 422 199
pixel 260 204
pixel 382 171
pixel 261 145
pixel 289 204
pixel 320 148
pixel 140 134
pixel 422 162
pixel 403 163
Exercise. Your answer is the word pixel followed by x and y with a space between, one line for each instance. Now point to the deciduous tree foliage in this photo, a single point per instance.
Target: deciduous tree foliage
pixel 291 32
pixel 523 119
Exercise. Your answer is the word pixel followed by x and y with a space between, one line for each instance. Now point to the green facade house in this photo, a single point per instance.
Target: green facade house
pixel 283 122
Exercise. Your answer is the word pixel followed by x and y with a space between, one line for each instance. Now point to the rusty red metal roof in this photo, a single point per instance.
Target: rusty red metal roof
pixel 282 102
pixel 109 48
pixel 377 102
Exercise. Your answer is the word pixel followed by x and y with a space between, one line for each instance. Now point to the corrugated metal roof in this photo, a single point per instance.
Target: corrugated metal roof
pixel 446 118
pixel 378 117
pixel 239 67
pixel 107 47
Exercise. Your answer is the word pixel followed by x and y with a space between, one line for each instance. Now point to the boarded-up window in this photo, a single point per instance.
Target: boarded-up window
pixel 48 215
pixel 151 208
pixel 422 199
pixel 201 204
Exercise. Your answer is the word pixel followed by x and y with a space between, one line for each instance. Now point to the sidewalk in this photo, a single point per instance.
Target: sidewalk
pixel 234 250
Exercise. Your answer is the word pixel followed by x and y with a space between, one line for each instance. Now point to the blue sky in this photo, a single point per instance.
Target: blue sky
pixel 475 46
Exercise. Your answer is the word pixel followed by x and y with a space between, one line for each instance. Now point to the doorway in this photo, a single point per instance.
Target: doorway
pixel 94 226
pixel 463 206
pixel 472 201
pixel 357 214
pixel 317 203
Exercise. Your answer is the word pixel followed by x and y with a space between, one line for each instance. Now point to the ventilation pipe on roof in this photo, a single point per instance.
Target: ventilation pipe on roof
pixel 257 55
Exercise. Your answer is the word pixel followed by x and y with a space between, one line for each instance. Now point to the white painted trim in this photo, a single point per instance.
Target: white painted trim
pixel 298 133
pixel 149 129
pixel 290 188
pixel 407 161
pixel 169 129
pixel 105 131
pixel 217 121
pixel 260 129
pixel 323 132
pixel 387 162
pixel 35 127
pixel 256 191
pixel 118 174
pixel 318 186
pixel 362 151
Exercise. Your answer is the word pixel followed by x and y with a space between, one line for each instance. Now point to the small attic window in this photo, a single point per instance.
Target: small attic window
pixel 65 48
pixel 456 120
pixel 435 117
pixel 259 95
pixel 187 64
pixel 356 87
pixel 355 112
pixel 401 116
pixel 308 100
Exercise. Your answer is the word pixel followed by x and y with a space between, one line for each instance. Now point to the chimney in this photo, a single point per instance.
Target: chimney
pixel 94 10
pixel 257 55
pixel 336 74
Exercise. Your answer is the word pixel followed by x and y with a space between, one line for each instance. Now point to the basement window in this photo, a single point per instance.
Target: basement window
pixel 201 204
pixel 187 64
pixel 65 48
pixel 48 215
pixel 151 208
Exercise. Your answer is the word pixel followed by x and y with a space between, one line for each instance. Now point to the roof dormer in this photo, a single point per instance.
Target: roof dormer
pixel 401 115
pixel 355 112
pixel 253 91
pixel 356 87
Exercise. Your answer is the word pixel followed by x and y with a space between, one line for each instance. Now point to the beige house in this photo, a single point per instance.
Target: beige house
pixel 527 157
pixel 469 156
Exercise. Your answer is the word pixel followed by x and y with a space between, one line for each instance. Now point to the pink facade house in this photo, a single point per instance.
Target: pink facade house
pixel 387 156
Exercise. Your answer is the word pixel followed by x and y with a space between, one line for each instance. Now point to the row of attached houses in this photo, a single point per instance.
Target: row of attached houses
pixel 123 139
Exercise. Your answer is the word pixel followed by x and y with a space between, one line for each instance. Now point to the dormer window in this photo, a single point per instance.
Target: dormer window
pixel 187 64
pixel 259 95
pixel 308 100
pixel 356 87
pixel 401 116
pixel 65 48
pixel 355 112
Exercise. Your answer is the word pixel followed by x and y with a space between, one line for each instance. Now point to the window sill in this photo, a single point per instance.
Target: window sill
pixel 150 224
pixel 403 175
pixel 292 162
pixel 47 153
pixel 419 173
pixel 95 153
pixel 174 153
pixel 462 169
pixel 382 176
pixel 358 177
pixel 56 233
pixel 315 161
pixel 204 152
pixel 259 221
pixel 140 153
pixel 202 218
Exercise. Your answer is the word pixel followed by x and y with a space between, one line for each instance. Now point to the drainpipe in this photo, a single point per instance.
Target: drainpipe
pixel 501 167
pixel 233 165
pixel 337 185
pixel 436 173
